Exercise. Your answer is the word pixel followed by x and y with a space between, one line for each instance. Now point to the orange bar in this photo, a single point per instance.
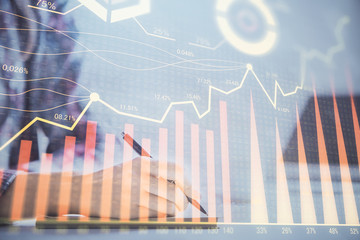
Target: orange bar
pixel 195 168
pixel 21 179
pixel 308 215
pixel 163 156
pixel 284 211
pixel 66 176
pixel 330 212
pixel 145 183
pixel 125 207
pixel 259 212
pixel 211 175
pixel 86 187
pixel 351 214
pixel 225 165
pixel 179 153
pixel 42 195
pixel 354 114
pixel 356 129
pixel 106 192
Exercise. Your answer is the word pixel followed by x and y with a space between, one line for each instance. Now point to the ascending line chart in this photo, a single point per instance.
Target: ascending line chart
pixel 200 65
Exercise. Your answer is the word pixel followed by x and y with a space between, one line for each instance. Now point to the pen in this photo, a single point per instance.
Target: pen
pixel 142 152
pixel 137 147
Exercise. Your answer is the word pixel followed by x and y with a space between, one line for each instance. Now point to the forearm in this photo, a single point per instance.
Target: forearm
pixel 18 192
pixel 133 190
pixel 27 195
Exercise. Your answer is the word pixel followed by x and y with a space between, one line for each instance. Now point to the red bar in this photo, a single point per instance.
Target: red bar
pixel 88 169
pixel 21 179
pixel 90 143
pixel 24 155
pixel 43 186
pixel 66 175
pixel 350 209
pixel 163 155
pixel 69 154
pixel 225 162
pixel 125 208
pixel 145 184
pixel 329 205
pixel 211 175
pixel 356 129
pixel 106 192
pixel 354 114
pixel 179 153
pixel 195 167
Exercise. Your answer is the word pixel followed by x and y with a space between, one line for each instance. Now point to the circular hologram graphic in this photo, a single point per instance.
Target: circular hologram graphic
pixel 249 22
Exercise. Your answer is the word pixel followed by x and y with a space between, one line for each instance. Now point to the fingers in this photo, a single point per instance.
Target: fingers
pixel 169 191
pixel 169 171
pixel 175 173
pixel 168 187
pixel 160 207
pixel 167 209
pixel 164 170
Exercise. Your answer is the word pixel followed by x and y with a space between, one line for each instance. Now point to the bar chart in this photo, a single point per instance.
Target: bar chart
pixel 218 204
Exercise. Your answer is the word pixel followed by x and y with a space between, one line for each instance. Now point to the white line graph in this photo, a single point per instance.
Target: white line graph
pixel 306 56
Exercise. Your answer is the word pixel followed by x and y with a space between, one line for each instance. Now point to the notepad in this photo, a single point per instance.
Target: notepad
pixel 74 222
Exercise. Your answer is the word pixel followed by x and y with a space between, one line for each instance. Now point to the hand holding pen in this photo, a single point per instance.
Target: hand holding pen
pixel 142 152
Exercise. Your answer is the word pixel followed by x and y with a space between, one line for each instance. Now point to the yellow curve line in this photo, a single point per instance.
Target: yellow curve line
pixel 331 51
pixel 211 88
pixel 36 119
pixel 164 64
pixel 103 35
pixel 207 47
pixel 124 39
pixel 151 34
pixel 41 89
pixel 106 36
pixel 46 78
pixel 58 31
pixel 312 54
pixel 52 11
pixel 69 11
pixel 327 58
pixel 43 110
pixel 46 10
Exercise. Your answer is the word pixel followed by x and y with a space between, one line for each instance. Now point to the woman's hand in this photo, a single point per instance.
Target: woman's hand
pixel 141 188
pixel 137 189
